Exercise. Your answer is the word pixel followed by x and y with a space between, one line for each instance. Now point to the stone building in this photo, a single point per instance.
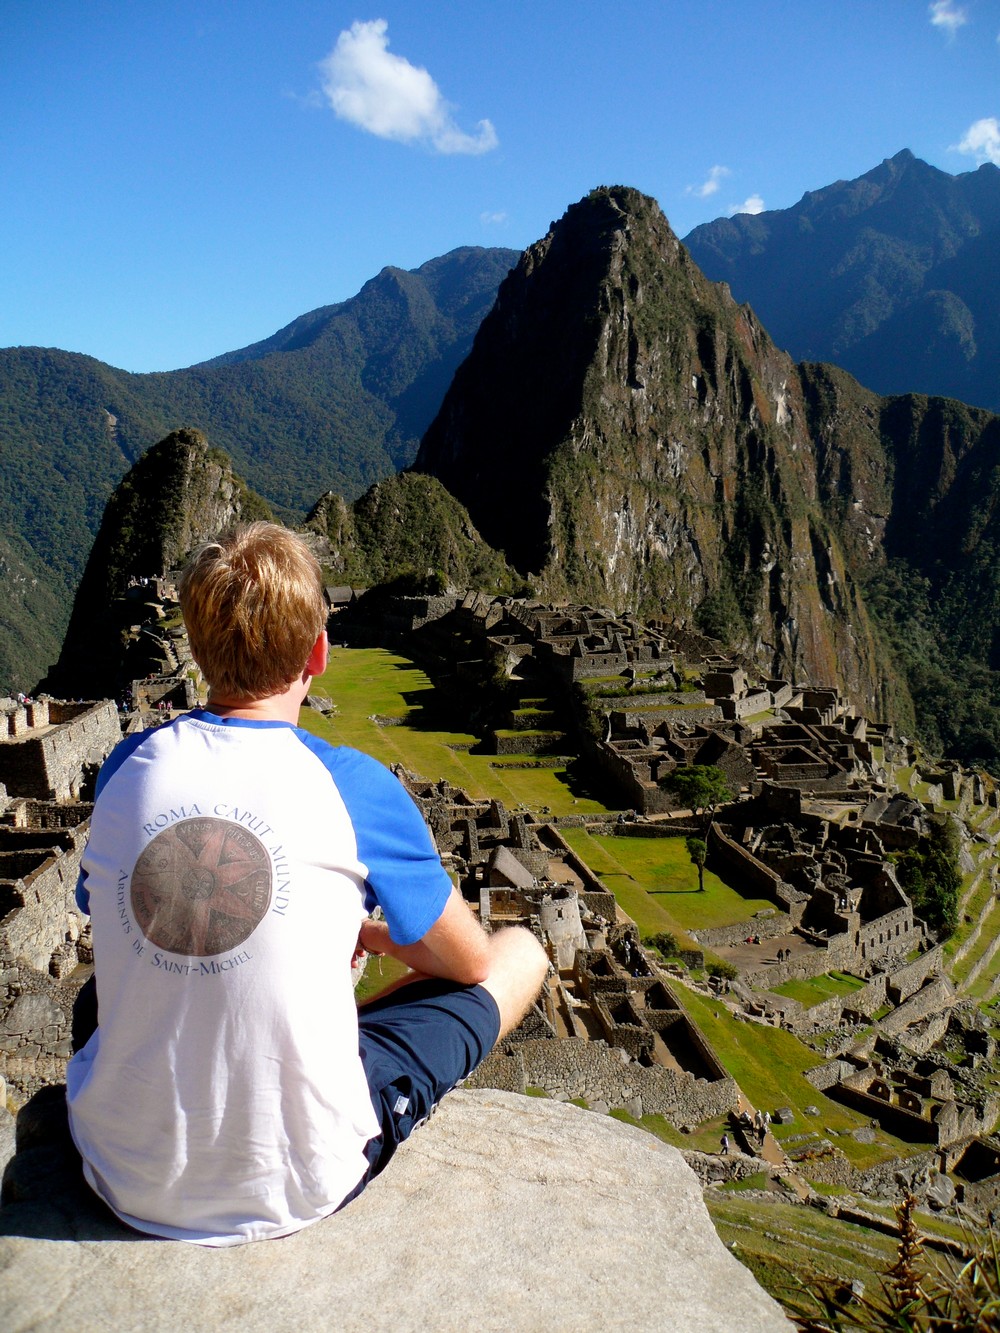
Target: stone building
pixel 51 750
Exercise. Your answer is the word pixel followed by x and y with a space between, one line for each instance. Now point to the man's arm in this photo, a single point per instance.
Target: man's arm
pixel 455 948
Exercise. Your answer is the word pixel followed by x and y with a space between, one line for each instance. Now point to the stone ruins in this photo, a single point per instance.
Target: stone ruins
pixel 819 818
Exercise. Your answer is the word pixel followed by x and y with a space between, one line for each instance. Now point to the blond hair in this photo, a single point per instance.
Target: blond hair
pixel 253 605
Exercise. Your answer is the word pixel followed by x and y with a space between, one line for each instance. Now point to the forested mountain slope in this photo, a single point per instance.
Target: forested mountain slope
pixel 336 400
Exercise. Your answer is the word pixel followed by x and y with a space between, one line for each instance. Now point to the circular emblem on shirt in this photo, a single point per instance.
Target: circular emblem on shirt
pixel 201 887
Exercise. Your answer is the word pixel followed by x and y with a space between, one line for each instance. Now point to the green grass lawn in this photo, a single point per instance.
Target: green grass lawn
pixel 770 1065
pixel 655 877
pixel 816 989
pixel 986 936
pixel 379 973
pixel 373 681
pixel 788 1247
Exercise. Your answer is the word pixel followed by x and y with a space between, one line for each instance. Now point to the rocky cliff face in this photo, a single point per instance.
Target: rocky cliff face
pixel 180 493
pixel 627 434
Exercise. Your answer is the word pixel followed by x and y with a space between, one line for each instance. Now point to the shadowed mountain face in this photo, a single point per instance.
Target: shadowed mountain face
pixel 181 493
pixel 893 276
pixel 626 434
pixel 338 399
pixel 408 526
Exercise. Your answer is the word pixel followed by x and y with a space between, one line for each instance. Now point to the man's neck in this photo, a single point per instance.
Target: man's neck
pixel 275 708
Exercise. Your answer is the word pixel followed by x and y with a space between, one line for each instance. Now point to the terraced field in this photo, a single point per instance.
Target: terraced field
pixel 369 685
pixel 788 1247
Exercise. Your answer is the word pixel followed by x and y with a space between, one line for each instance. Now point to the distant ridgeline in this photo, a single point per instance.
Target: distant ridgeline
pixel 337 399
pixel 893 276
pixel 622 433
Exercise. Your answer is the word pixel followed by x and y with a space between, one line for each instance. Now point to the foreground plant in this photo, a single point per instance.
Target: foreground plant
pixel 957 1295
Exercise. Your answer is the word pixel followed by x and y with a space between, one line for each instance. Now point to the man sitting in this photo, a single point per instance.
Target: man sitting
pixel 231 1090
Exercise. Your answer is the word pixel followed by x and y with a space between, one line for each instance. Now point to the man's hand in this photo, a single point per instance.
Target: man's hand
pixel 455 948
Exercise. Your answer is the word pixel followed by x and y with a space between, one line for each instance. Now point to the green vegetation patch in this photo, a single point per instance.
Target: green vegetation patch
pixel 367 684
pixel 787 1247
pixel 769 1065
pixel 758 1181
pixel 816 989
pixel 378 974
pixel 660 881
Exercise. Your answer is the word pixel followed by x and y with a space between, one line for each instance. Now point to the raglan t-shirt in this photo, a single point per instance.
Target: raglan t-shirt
pixel 229 867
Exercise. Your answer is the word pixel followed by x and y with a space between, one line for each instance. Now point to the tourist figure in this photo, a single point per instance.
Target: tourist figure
pixel 724 1143
pixel 231 1090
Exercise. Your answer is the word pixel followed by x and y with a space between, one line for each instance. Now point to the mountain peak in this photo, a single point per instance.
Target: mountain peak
pixel 615 429
pixel 891 275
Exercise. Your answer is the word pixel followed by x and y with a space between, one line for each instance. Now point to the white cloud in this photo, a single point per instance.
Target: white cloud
pixel 981 141
pixel 947 15
pixel 387 96
pixel 492 219
pixel 711 183
pixel 755 204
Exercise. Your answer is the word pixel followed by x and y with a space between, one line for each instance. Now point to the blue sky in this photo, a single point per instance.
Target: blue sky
pixel 184 178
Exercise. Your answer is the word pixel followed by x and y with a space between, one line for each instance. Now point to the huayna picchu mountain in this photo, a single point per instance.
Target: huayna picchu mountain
pixel 627 434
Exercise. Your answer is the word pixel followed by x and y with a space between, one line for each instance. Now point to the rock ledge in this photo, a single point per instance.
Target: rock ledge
pixel 503 1213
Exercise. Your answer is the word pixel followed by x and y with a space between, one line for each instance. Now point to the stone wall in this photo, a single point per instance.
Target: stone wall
pixel 634 719
pixel 53 765
pixel 589 1070
pixel 932 998
pixel 888 933
pixel 633 780
pixel 36 1014
pixel 906 1125
pixel 745 705
pixel 528 742
pixel 767 927
pixel 904 981
pixel 49 917
pixel 736 862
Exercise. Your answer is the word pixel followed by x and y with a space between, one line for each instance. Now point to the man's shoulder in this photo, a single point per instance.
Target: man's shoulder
pixel 348 764
pixel 122 752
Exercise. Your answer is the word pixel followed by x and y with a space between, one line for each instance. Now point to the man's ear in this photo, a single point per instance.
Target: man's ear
pixel 319 656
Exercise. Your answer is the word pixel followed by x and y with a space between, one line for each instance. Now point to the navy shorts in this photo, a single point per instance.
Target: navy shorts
pixel 417 1043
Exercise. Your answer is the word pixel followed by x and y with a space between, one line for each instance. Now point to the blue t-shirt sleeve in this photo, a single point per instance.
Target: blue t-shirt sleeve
pixel 405 875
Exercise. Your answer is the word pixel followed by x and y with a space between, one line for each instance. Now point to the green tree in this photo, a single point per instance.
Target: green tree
pixel 701 787
pixel 664 942
pixel 725 971
pixel 931 876
pixel 698 851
